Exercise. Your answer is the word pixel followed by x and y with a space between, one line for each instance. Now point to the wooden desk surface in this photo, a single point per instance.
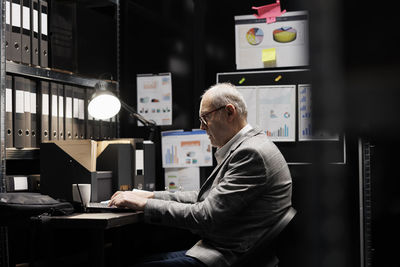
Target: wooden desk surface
pixel 96 220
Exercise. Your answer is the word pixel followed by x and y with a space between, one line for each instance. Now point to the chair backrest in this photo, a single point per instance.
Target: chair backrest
pixel 267 239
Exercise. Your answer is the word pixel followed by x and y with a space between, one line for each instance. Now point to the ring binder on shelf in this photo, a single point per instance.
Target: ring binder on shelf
pixel 53 111
pixel 19 113
pixel 75 113
pixel 35 33
pixel 8 30
pixel 34 128
pixel 68 112
pixel 16 30
pixel 9 112
pixel 27 112
pixel 61 113
pixel 26 32
pixel 44 91
pixel 81 115
pixel 43 36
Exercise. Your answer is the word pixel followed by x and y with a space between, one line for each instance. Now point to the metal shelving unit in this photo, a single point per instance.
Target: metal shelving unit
pixel 56 75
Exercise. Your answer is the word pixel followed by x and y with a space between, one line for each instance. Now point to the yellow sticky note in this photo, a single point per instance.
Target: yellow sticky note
pixel 269 57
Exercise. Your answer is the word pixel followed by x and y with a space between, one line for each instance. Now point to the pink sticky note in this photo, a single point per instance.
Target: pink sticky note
pixel 269 12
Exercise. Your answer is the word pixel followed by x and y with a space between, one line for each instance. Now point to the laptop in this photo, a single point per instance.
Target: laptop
pixel 103 207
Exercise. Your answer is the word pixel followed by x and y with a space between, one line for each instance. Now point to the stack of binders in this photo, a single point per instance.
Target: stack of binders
pixel 27 32
pixel 39 110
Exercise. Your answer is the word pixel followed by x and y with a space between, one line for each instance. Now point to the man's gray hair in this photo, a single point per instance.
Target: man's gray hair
pixel 226 93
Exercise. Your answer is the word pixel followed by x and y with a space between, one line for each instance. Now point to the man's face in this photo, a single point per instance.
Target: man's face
pixel 216 126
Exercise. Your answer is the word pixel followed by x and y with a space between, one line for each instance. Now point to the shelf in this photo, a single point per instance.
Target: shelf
pixel 23 153
pixel 50 74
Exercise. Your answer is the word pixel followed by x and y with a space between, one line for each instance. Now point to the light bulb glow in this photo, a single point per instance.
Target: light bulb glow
pixel 104 106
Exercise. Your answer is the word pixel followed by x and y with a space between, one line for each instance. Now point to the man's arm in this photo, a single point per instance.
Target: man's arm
pixel 244 180
pixel 137 199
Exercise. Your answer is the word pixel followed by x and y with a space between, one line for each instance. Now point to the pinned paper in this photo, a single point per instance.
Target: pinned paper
pixel 269 57
pixel 269 12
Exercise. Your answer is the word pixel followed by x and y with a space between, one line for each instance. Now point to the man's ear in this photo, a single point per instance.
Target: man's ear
pixel 231 110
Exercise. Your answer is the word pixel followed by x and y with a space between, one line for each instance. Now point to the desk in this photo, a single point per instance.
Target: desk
pixel 96 224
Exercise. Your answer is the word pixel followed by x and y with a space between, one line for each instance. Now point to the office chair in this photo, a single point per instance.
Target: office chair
pixel 263 253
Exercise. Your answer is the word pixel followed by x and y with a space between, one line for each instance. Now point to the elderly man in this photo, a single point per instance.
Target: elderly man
pixel 249 189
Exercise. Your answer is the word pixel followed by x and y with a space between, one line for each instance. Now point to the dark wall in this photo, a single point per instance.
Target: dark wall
pixel 194 40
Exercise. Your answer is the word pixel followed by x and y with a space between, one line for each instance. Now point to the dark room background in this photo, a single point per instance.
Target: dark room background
pixel 354 75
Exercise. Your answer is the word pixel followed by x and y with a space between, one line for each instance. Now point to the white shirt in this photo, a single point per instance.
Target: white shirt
pixel 221 152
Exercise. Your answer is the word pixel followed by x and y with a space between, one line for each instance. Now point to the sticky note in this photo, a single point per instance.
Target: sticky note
pixel 269 57
pixel 242 80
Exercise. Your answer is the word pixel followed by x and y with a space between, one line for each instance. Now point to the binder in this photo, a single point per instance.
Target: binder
pixel 35 33
pixel 82 112
pixel 105 129
pixel 9 112
pixel 19 115
pixel 61 112
pixel 89 132
pixel 8 30
pixel 43 34
pixel 26 31
pixel 44 103
pixel 27 113
pixel 68 112
pixel 53 111
pixel 16 30
pixel 75 113
pixel 113 127
pixel 96 129
pixel 34 128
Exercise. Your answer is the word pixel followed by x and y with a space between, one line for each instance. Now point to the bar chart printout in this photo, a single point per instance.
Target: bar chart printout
pixel 276 111
pixel 305 126
pixel 185 149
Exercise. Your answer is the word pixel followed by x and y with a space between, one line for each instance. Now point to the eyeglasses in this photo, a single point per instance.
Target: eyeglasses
pixel 203 118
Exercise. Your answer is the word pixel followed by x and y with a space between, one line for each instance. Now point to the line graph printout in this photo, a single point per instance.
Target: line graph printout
pixel 277 111
pixel 154 97
pixel 306 132
pixel 185 149
pixel 249 94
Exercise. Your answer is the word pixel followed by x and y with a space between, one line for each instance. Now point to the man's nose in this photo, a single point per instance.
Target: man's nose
pixel 203 126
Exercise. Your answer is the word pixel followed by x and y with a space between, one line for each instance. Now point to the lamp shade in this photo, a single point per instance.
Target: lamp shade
pixel 103 104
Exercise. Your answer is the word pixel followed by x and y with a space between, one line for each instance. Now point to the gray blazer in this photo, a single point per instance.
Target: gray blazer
pixel 242 198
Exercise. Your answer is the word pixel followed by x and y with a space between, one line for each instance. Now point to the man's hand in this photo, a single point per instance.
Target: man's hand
pixel 143 193
pixel 129 199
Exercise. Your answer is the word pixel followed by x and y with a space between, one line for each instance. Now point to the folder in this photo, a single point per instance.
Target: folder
pixel 35 33
pixel 8 30
pixel 19 115
pixel 9 112
pixel 16 30
pixel 61 112
pixel 26 31
pixel 82 113
pixel 113 133
pixel 75 113
pixel 89 132
pixel 68 112
pixel 53 111
pixel 27 112
pixel 34 120
pixel 44 104
pixel 43 34
pixel 105 129
pixel 96 128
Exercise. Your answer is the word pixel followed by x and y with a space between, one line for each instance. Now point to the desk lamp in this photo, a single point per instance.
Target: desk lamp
pixel 104 105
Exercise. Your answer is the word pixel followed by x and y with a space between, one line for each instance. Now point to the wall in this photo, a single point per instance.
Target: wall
pixel 194 40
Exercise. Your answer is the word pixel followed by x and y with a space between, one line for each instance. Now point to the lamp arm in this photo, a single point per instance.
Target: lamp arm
pixel 134 114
